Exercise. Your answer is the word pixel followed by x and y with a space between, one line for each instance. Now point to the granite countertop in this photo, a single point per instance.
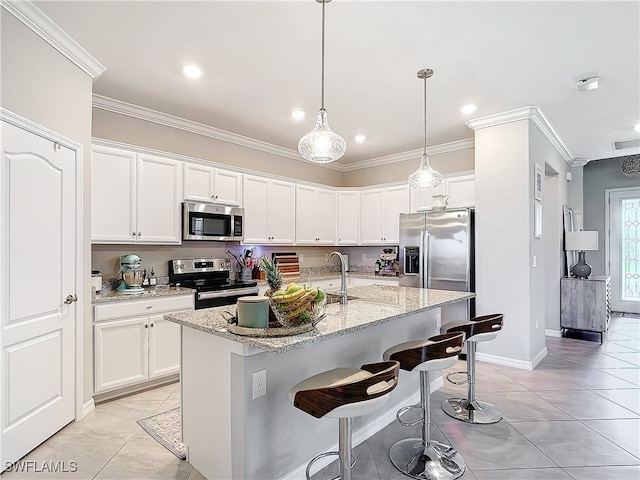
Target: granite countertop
pixel 151 292
pixel 306 278
pixel 375 304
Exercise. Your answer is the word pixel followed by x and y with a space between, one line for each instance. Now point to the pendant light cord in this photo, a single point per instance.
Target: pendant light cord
pixel 425 116
pixel 322 89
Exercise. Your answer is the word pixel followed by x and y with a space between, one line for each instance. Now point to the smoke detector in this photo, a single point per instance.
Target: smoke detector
pixel 587 84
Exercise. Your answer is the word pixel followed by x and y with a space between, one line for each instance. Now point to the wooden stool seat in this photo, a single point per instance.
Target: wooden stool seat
pixel 470 409
pixel 345 393
pixel 424 458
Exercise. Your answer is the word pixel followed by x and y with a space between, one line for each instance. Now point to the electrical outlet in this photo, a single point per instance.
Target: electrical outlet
pixel 534 261
pixel 326 257
pixel 364 256
pixel 301 257
pixel 259 384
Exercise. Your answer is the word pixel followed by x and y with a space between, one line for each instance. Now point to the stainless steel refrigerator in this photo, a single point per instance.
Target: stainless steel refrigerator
pixel 437 251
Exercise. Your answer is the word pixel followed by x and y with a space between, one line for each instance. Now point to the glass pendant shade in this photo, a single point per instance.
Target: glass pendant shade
pixel 322 145
pixel 425 177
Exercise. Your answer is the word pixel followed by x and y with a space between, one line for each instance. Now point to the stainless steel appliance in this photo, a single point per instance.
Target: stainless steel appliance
pixel 213 222
pixel 437 251
pixel 211 278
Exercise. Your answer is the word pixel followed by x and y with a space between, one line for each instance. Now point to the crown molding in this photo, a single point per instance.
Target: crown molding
pixel 168 120
pixel 409 155
pixel 579 162
pixel 50 32
pixel 526 113
pixel 153 116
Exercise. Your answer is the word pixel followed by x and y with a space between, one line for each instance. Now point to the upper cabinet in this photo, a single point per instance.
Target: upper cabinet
pixel 208 184
pixel 269 210
pixel 315 216
pixel 459 188
pixel 135 198
pixel 380 214
pixel 348 215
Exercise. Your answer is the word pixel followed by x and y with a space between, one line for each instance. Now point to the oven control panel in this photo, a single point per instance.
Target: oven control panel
pixel 196 265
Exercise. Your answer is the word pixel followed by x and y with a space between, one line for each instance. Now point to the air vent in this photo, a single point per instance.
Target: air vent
pixel 624 144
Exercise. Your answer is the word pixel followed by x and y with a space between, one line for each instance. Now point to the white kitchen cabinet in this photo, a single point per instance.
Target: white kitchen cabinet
pixel 315 216
pixel 269 209
pixel 459 188
pixel 348 217
pixel 135 198
pixel 208 184
pixel 380 214
pixel 133 343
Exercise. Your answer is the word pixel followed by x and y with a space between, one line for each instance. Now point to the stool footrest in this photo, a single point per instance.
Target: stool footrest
pixel 451 376
pixel 406 409
pixel 322 455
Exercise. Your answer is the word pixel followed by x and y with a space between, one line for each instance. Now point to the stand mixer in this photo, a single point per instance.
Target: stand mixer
pixel 132 276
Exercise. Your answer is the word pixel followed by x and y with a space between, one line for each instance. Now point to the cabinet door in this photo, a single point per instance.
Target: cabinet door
pixel 282 212
pixel 396 201
pixel 159 198
pixel 113 196
pixel 255 191
pixel 198 182
pixel 372 211
pixel 227 187
pixel 120 353
pixel 461 191
pixel 423 199
pixel 348 218
pixel 306 215
pixel 326 217
pixel 164 346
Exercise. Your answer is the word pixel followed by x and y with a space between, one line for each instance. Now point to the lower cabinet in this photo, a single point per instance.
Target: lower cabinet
pixel 585 304
pixel 133 343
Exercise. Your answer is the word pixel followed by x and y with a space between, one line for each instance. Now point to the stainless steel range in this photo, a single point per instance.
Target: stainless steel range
pixel 211 278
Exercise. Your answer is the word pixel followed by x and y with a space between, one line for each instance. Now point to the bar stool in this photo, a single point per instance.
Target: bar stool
pixel 470 409
pixel 422 457
pixel 345 393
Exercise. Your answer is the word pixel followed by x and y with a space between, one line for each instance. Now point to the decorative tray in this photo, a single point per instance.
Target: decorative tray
pixel 274 329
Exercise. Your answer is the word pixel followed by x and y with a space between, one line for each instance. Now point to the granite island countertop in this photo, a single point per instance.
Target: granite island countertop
pixel 150 292
pixel 373 305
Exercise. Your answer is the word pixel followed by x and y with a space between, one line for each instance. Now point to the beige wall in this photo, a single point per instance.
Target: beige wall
pixel 43 86
pixel 133 131
pixel 450 162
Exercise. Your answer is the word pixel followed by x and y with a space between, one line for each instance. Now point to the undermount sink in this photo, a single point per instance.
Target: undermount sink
pixel 333 297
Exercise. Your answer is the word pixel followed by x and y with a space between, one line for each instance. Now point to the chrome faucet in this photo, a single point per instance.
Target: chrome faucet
pixel 343 277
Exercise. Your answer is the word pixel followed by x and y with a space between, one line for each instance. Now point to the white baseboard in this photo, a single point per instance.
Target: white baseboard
pixel 87 408
pixel 511 362
pixel 552 333
pixel 365 432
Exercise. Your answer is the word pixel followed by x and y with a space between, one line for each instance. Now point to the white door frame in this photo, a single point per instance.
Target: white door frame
pixel 36 129
pixel 607 223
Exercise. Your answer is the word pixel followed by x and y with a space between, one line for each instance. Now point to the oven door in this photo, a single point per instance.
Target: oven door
pixel 202 221
pixel 217 298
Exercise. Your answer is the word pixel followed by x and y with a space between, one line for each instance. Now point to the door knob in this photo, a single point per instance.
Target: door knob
pixel 71 299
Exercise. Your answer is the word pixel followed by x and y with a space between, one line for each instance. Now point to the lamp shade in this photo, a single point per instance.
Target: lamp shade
pixel 582 240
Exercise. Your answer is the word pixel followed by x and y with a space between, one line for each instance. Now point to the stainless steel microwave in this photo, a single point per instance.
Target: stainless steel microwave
pixel 213 222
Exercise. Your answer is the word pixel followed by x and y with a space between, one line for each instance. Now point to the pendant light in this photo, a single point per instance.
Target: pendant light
pixel 321 145
pixel 425 177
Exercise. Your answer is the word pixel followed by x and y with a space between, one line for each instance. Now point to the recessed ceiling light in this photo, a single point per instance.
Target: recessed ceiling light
pixel 587 84
pixel 298 114
pixel 637 127
pixel 360 138
pixel 467 109
pixel 192 71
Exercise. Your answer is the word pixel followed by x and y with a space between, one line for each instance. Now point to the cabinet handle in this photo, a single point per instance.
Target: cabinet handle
pixel 139 233
pixel 70 299
pixel 133 233
pixel 152 324
pixel 146 325
pixel 149 307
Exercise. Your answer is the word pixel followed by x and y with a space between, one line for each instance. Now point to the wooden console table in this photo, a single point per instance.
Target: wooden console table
pixel 585 304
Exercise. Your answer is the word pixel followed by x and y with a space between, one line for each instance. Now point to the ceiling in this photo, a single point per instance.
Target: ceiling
pixel 261 60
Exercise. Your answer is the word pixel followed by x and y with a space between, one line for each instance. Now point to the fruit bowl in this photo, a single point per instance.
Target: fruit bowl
pixel 303 306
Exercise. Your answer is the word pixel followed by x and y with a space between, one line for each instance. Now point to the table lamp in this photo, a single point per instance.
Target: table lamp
pixel 581 241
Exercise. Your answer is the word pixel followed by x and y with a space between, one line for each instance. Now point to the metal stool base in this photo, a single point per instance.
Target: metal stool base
pixel 322 455
pixel 472 412
pixel 435 461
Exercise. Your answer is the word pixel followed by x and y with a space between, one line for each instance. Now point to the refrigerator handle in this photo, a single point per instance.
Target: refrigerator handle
pixel 422 259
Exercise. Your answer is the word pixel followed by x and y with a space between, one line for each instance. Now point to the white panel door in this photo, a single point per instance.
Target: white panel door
pixel 461 190
pixel 282 211
pixel 198 182
pixel 306 215
pixel 396 201
pixel 159 198
pixel 255 192
pixel 227 187
pixel 326 216
pixel 371 213
pixel 348 217
pixel 164 346
pixel 38 327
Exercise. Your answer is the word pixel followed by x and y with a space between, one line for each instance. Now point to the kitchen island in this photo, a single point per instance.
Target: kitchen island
pixel 231 435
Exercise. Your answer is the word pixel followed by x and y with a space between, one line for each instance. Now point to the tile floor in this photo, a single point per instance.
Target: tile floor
pixel 576 416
